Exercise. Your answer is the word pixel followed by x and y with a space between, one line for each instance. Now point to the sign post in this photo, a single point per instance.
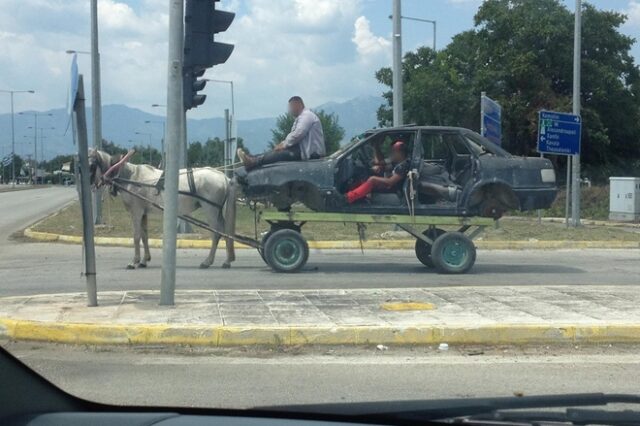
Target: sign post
pixel 490 119
pixel 559 133
pixel 80 132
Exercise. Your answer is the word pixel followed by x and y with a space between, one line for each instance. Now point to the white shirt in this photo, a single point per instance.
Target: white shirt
pixel 307 132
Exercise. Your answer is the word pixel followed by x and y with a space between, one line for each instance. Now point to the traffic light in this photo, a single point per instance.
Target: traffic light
pixel 201 22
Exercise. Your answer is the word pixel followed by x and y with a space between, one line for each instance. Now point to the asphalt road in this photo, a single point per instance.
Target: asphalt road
pixel 249 377
pixel 36 268
pixel 19 209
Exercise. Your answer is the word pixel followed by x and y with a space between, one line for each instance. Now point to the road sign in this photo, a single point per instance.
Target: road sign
pixel 559 133
pixel 491 119
pixel 73 85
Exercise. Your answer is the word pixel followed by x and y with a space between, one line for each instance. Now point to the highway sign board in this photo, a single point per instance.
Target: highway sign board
pixel 491 119
pixel 559 133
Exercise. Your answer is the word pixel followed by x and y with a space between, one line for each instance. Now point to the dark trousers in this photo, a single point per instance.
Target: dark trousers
pixel 289 154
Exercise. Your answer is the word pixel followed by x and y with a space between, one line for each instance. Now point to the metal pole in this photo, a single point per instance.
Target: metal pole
pixel 96 101
pixel 397 63
pixel 434 36
pixel 80 123
pixel 567 204
pixel 13 148
pixel 175 112
pixel 577 47
pixel 233 106
pixel 35 149
pixel 482 95
pixel 227 143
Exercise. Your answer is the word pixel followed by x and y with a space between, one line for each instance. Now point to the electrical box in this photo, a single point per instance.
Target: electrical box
pixel 624 199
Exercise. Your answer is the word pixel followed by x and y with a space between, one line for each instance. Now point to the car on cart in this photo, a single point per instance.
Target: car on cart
pixel 457 178
pixel 454 172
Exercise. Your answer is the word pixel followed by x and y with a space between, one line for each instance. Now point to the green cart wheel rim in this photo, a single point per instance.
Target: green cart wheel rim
pixel 455 253
pixel 287 252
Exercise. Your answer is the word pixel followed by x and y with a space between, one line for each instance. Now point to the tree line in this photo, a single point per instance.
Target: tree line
pixel 520 52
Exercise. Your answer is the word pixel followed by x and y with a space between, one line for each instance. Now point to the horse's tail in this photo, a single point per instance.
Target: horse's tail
pixel 229 213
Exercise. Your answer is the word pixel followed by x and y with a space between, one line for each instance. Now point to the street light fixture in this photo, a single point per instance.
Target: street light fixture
pixel 233 112
pixel 13 137
pixel 429 21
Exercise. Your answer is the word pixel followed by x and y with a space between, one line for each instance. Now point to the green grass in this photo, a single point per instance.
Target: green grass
pixel 118 224
pixel 594 204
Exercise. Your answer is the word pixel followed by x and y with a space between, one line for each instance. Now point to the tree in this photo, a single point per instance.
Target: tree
pixel 211 154
pixel 7 170
pixel 520 52
pixel 333 131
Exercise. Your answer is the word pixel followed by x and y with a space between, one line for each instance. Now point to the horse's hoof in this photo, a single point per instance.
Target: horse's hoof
pixel 131 266
pixel 142 265
pixel 204 265
pixel 226 265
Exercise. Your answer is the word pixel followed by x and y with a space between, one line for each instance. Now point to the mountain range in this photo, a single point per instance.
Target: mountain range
pixel 120 124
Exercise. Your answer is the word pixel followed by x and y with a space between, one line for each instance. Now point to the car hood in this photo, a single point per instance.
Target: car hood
pixel 315 171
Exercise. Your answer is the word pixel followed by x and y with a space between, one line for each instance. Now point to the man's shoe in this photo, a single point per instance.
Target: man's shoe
pixel 247 160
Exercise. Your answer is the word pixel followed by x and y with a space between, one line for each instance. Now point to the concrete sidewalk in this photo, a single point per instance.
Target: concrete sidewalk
pixel 461 315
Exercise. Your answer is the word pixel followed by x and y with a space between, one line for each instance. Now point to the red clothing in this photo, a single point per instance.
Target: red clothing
pixel 364 189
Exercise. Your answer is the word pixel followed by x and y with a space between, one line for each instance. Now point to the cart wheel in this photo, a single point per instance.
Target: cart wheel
pixel 286 251
pixel 453 253
pixel 263 242
pixel 423 249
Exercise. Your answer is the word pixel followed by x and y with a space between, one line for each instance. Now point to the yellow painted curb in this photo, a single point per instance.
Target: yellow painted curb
pixel 219 335
pixel 347 244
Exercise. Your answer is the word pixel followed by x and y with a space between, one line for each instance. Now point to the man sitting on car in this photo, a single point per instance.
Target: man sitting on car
pixel 401 165
pixel 304 142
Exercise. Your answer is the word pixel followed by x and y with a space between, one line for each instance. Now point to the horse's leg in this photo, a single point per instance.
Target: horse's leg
pixel 213 214
pixel 137 233
pixel 145 241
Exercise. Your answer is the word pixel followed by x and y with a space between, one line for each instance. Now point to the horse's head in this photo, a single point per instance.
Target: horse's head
pixel 99 163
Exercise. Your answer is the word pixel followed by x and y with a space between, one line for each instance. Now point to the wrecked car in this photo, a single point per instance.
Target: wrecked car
pixel 453 172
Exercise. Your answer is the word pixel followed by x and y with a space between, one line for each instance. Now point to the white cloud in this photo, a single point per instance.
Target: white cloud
pixel 282 47
pixel 633 13
pixel 366 42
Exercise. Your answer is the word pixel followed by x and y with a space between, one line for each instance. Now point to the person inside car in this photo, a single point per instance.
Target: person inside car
pixel 401 165
pixel 304 142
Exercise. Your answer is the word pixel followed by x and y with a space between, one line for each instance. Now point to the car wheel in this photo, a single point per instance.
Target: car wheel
pixel 491 208
pixel 423 249
pixel 286 250
pixel 453 253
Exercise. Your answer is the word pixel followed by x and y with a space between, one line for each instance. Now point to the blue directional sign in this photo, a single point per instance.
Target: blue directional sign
pixel 73 86
pixel 491 115
pixel 559 133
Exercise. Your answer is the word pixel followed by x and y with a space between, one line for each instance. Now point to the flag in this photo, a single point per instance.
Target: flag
pixel 66 167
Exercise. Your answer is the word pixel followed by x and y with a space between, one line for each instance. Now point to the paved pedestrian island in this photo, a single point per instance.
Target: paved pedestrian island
pixel 460 315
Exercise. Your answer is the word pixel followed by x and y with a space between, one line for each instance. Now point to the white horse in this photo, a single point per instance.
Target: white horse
pixel 212 190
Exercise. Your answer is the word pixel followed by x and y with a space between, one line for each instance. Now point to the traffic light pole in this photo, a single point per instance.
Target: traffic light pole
pixel 575 161
pixel 96 101
pixel 175 111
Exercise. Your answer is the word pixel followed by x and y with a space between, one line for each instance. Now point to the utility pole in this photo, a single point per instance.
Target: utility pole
pixel 175 112
pixel 397 64
pixel 96 102
pixel 227 144
pixel 13 136
pixel 577 55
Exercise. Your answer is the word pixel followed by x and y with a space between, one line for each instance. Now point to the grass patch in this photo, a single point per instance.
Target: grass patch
pixel 594 204
pixel 118 224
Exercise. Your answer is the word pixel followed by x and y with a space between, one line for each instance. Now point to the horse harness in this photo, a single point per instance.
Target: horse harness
pixel 117 183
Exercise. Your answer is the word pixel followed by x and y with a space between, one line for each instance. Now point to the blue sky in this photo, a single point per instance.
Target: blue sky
pixel 323 50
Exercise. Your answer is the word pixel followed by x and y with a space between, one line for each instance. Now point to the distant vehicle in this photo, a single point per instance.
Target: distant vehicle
pixel 456 172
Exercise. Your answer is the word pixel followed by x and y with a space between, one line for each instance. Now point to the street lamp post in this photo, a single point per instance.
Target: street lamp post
pixel 35 140
pixel 147 134
pixel 42 137
pixel 13 137
pixel 228 155
pixel 161 140
pixel 397 64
